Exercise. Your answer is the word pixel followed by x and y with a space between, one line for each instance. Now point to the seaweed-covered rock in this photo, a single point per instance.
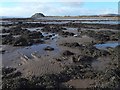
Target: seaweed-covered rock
pixel 32 25
pixel 22 37
pixel 7 70
pixel 83 59
pixel 109 80
pixel 8 39
pixel 35 41
pixel 63 33
pixel 17 30
pixel 101 35
pixel 73 45
pixel 46 81
pixel 67 53
pixel 12 75
pixel 15 84
pixel 92 51
pixel 21 42
pixel 35 35
pixel 53 29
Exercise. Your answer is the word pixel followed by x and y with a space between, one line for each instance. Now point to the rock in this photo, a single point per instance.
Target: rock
pixel 35 35
pixel 7 40
pixel 2 51
pixel 37 15
pixel 81 59
pixel 13 75
pixel 48 48
pixel 58 59
pixel 63 33
pixel 38 41
pixel 79 29
pixel 53 29
pixel 49 35
pixel 7 70
pixel 53 34
pixel 32 25
pixel 67 53
pixel 46 38
pixel 74 44
pixel 19 64
pixel 24 37
pixel 85 59
pixel 73 59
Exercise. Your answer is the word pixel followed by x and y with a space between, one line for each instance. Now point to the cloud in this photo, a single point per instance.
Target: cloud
pixel 59 1
pixel 27 9
pixel 73 4
pixel 23 9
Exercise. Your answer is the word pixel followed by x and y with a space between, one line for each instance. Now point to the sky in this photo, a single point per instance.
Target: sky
pixel 26 8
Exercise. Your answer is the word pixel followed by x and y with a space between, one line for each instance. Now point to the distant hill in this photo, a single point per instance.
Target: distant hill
pixel 110 15
pixel 8 17
pixel 37 15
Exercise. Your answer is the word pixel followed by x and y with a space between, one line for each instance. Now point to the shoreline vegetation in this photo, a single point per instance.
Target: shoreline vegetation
pixel 59 54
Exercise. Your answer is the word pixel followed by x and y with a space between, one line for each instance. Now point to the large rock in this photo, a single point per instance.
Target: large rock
pixel 38 15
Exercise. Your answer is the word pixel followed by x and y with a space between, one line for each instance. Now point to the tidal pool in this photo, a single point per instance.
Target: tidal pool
pixel 108 44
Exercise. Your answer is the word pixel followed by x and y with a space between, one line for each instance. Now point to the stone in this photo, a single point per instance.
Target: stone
pixel 48 48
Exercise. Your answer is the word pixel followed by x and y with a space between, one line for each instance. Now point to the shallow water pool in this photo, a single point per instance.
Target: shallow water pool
pixel 108 44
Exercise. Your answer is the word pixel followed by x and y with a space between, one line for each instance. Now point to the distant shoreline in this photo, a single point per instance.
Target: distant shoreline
pixel 66 17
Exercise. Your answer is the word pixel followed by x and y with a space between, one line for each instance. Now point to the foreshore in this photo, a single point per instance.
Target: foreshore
pixel 60 53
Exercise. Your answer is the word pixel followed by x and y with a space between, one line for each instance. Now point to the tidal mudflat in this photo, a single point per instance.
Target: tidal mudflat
pixel 60 53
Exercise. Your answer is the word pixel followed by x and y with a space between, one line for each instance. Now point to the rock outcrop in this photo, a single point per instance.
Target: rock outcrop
pixel 37 15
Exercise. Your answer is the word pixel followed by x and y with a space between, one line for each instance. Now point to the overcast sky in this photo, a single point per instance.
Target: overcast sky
pixel 23 8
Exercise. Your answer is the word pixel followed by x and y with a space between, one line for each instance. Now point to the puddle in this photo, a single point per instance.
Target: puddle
pixel 71 29
pixel 106 45
pixel 55 22
pixel 39 49
pixel 69 18
pixel 35 29
pixel 3 34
